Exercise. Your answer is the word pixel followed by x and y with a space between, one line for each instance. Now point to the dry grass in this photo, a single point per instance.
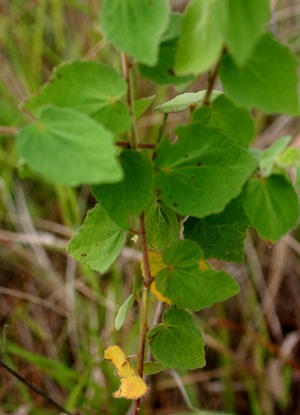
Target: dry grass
pixel 60 315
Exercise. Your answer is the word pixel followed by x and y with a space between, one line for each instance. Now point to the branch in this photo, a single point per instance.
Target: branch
pixel 33 388
pixel 212 80
pixel 128 77
pixel 8 130
pixel 144 306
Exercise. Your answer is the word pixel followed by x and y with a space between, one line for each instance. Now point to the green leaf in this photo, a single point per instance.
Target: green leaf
pixel 272 206
pixel 202 171
pixel 87 87
pixel 186 285
pixel 184 101
pixel 268 80
pixel 141 105
pixel 98 241
pixel 151 368
pixel 220 236
pixel 290 157
pixel 163 72
pixel 135 27
pixel 162 226
pixel 201 38
pixel 246 21
pixel 174 27
pixel 68 147
pixel 130 196
pixel 123 312
pixel 177 343
pixel 270 156
pixel 183 255
pixel 235 122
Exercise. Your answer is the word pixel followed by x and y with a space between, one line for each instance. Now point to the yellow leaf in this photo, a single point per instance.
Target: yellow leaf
pixel 132 385
pixel 156 263
pixel 158 294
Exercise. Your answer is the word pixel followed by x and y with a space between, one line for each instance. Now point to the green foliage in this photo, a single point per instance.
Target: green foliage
pixel 176 342
pixel 123 312
pixel 141 105
pixel 184 101
pixel 130 196
pixel 202 171
pixel 98 241
pixel 87 87
pixel 135 27
pixel 183 277
pixel 272 206
pixel 220 236
pixel 162 226
pixel 78 149
pixel 201 38
pixel 164 71
pixel 234 122
pixel 245 24
pixel 269 158
pixel 200 181
pixel 260 83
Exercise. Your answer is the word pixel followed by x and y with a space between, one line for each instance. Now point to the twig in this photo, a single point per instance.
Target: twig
pixel 128 77
pixel 144 306
pixel 162 128
pixel 33 388
pixel 8 130
pixel 211 82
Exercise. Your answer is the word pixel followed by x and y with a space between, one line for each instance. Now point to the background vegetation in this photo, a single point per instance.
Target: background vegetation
pixel 61 315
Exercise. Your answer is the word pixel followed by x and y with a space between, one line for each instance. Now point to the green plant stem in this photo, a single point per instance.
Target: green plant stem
pixel 211 83
pixel 128 77
pixel 144 306
pixel 162 128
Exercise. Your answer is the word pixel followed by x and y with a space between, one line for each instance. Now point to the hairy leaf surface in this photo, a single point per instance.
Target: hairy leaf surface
pixel 220 236
pixel 233 121
pixel 131 195
pixel 186 285
pixel 202 171
pixel 177 343
pixel 162 226
pixel 86 87
pixel 98 241
pixel 68 147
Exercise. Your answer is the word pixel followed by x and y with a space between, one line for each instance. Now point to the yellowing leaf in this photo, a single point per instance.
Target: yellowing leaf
pixel 157 264
pixel 158 294
pixel 132 385
pixel 204 265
